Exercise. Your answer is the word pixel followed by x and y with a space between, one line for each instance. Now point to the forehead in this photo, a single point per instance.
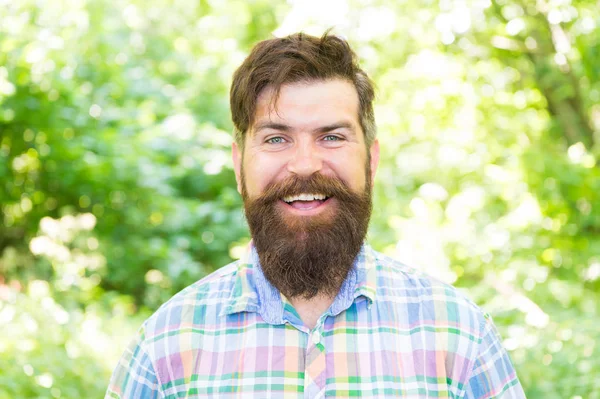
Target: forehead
pixel 309 103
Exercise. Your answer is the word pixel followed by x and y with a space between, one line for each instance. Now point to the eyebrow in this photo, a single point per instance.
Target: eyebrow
pixel 272 125
pixel 335 126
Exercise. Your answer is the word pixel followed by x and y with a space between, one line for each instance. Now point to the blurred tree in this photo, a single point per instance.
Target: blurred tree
pixel 117 190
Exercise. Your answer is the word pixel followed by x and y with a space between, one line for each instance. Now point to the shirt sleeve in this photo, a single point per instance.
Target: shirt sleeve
pixel 493 375
pixel 134 376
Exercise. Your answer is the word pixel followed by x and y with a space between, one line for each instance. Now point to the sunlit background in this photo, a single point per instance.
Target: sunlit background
pixel 117 189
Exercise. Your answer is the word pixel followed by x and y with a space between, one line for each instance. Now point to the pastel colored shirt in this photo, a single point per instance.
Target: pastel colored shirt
pixel 391 332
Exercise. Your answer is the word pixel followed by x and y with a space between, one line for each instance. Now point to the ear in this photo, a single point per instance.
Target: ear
pixel 236 155
pixel 374 150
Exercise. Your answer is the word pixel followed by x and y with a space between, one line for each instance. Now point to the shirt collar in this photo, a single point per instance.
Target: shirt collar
pixel 252 292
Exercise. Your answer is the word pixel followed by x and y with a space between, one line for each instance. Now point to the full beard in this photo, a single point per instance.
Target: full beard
pixel 305 256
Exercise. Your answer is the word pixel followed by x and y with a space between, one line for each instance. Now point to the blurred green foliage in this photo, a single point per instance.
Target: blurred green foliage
pixel 117 189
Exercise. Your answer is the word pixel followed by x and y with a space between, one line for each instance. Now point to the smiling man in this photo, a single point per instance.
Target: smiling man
pixel 305 174
pixel 311 310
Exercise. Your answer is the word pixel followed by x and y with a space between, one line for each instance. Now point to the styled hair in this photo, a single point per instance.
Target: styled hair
pixel 298 58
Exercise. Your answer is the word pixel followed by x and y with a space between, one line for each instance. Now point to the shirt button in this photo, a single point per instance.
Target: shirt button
pixel 316 337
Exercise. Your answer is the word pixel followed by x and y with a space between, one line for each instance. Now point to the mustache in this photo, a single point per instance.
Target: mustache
pixel 313 184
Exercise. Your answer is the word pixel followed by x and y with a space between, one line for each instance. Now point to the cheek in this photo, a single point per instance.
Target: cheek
pixel 354 171
pixel 256 177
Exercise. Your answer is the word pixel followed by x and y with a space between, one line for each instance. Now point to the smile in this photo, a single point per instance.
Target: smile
pixel 305 197
pixel 305 204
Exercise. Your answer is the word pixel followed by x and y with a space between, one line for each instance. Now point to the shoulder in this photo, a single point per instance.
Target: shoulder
pixel 144 365
pixel 426 296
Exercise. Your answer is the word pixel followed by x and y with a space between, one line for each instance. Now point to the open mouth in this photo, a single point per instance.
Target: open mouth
pixel 305 202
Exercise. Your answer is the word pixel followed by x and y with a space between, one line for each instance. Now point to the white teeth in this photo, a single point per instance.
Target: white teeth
pixel 305 197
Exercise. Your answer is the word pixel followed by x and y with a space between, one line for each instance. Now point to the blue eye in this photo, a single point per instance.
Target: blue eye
pixel 331 138
pixel 275 140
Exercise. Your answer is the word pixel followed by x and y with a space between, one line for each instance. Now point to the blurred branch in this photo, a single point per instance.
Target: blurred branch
pixel 554 74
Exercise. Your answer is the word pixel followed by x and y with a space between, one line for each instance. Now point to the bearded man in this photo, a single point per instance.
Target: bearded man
pixel 311 310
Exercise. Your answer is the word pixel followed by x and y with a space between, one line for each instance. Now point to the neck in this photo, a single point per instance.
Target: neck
pixel 310 310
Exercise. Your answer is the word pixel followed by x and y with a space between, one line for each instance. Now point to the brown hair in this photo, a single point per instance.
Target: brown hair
pixel 297 58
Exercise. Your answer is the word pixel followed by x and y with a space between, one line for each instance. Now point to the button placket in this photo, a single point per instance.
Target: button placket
pixel 315 380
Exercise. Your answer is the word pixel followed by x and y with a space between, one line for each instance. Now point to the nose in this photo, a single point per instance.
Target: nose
pixel 306 159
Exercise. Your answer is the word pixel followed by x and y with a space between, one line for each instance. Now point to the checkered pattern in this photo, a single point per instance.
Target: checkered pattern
pixel 391 332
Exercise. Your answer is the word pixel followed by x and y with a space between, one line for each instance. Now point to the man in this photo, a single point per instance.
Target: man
pixel 311 310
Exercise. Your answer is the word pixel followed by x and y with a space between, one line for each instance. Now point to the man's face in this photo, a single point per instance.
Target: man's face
pixel 305 175
pixel 313 128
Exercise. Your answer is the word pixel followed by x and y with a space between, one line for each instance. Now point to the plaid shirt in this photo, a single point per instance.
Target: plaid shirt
pixel 391 331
